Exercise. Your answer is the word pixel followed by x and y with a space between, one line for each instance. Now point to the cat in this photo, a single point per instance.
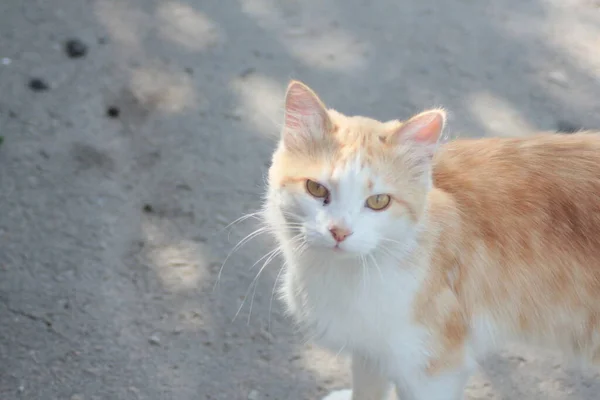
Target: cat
pixel 418 258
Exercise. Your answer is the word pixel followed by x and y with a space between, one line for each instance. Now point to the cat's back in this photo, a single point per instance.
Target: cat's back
pixel 527 246
pixel 478 160
pixel 547 173
pixel 515 192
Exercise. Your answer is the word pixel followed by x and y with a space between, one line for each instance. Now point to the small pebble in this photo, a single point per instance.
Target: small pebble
pixel 75 48
pixel 154 339
pixel 38 85
pixel 148 208
pixel 113 112
pixel 77 397
pixel 6 61
pixel 253 395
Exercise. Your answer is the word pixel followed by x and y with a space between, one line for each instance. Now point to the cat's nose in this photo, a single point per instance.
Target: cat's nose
pixel 339 234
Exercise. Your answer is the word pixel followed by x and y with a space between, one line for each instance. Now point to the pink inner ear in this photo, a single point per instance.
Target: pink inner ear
pixel 432 130
pixel 301 102
pixel 424 128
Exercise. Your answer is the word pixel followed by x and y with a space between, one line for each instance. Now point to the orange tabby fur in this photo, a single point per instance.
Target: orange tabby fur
pixel 519 237
pixel 509 244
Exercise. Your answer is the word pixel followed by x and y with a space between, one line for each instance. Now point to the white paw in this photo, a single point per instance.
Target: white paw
pixel 339 395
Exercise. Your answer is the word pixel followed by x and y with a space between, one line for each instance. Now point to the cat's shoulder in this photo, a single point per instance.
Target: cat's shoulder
pixel 539 140
pixel 480 154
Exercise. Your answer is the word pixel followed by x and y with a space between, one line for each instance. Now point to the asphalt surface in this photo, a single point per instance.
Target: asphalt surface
pixel 124 160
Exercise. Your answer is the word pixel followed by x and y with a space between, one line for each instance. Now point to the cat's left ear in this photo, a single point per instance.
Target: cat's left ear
pixel 424 130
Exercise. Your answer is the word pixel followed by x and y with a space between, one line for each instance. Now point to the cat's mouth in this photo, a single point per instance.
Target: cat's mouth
pixel 340 250
pixel 334 248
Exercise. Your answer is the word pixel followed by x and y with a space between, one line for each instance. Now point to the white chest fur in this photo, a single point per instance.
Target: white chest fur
pixel 350 306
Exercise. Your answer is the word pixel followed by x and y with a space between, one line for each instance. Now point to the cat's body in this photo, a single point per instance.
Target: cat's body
pixel 486 242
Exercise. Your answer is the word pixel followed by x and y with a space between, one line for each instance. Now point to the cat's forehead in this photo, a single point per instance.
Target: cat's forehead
pixel 357 131
pixel 354 171
pixel 360 156
pixel 354 153
pixel 349 169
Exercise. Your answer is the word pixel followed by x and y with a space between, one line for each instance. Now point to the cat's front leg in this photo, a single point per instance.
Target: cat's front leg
pixel 368 383
pixel 446 386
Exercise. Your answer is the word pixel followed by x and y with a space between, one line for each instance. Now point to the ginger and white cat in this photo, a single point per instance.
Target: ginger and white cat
pixel 418 259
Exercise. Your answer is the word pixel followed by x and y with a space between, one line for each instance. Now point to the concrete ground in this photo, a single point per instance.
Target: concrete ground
pixel 112 228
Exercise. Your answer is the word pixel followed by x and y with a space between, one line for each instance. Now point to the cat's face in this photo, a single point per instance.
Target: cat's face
pixel 346 207
pixel 349 185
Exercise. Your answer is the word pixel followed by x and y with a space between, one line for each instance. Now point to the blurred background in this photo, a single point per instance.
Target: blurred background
pixel 134 131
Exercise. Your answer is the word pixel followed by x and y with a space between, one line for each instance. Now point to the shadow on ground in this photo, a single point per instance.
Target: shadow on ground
pixel 112 230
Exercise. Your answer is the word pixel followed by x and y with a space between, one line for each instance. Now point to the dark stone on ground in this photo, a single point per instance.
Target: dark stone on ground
pixel 113 112
pixel 75 48
pixel 38 85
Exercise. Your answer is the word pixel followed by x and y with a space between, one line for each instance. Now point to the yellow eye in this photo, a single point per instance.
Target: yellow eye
pixel 316 189
pixel 378 202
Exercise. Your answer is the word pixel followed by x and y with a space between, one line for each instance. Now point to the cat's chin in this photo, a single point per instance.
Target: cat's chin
pixel 340 252
pixel 336 251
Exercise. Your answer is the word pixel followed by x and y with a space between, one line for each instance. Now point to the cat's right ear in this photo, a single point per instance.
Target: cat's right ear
pixel 423 132
pixel 306 118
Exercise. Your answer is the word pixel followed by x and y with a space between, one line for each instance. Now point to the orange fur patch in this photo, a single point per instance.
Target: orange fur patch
pixel 512 231
pixel 518 222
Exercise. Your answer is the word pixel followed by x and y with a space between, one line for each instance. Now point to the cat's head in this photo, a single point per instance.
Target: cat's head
pixel 349 185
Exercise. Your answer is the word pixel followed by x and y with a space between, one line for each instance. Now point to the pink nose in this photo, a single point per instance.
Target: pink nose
pixel 339 234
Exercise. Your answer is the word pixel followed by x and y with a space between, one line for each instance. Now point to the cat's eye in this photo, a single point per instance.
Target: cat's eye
pixel 317 190
pixel 378 202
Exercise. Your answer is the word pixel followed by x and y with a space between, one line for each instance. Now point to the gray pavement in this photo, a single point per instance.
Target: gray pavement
pixel 112 228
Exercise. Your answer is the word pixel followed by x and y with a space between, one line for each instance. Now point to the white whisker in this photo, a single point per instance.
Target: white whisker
pixel 255 280
pixel 394 241
pixel 243 218
pixel 261 230
pixel 376 266
pixel 273 294
pixel 263 257
pixel 246 239
pixel 364 269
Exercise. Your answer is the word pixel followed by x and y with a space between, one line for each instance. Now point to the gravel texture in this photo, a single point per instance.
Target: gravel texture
pixel 118 179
